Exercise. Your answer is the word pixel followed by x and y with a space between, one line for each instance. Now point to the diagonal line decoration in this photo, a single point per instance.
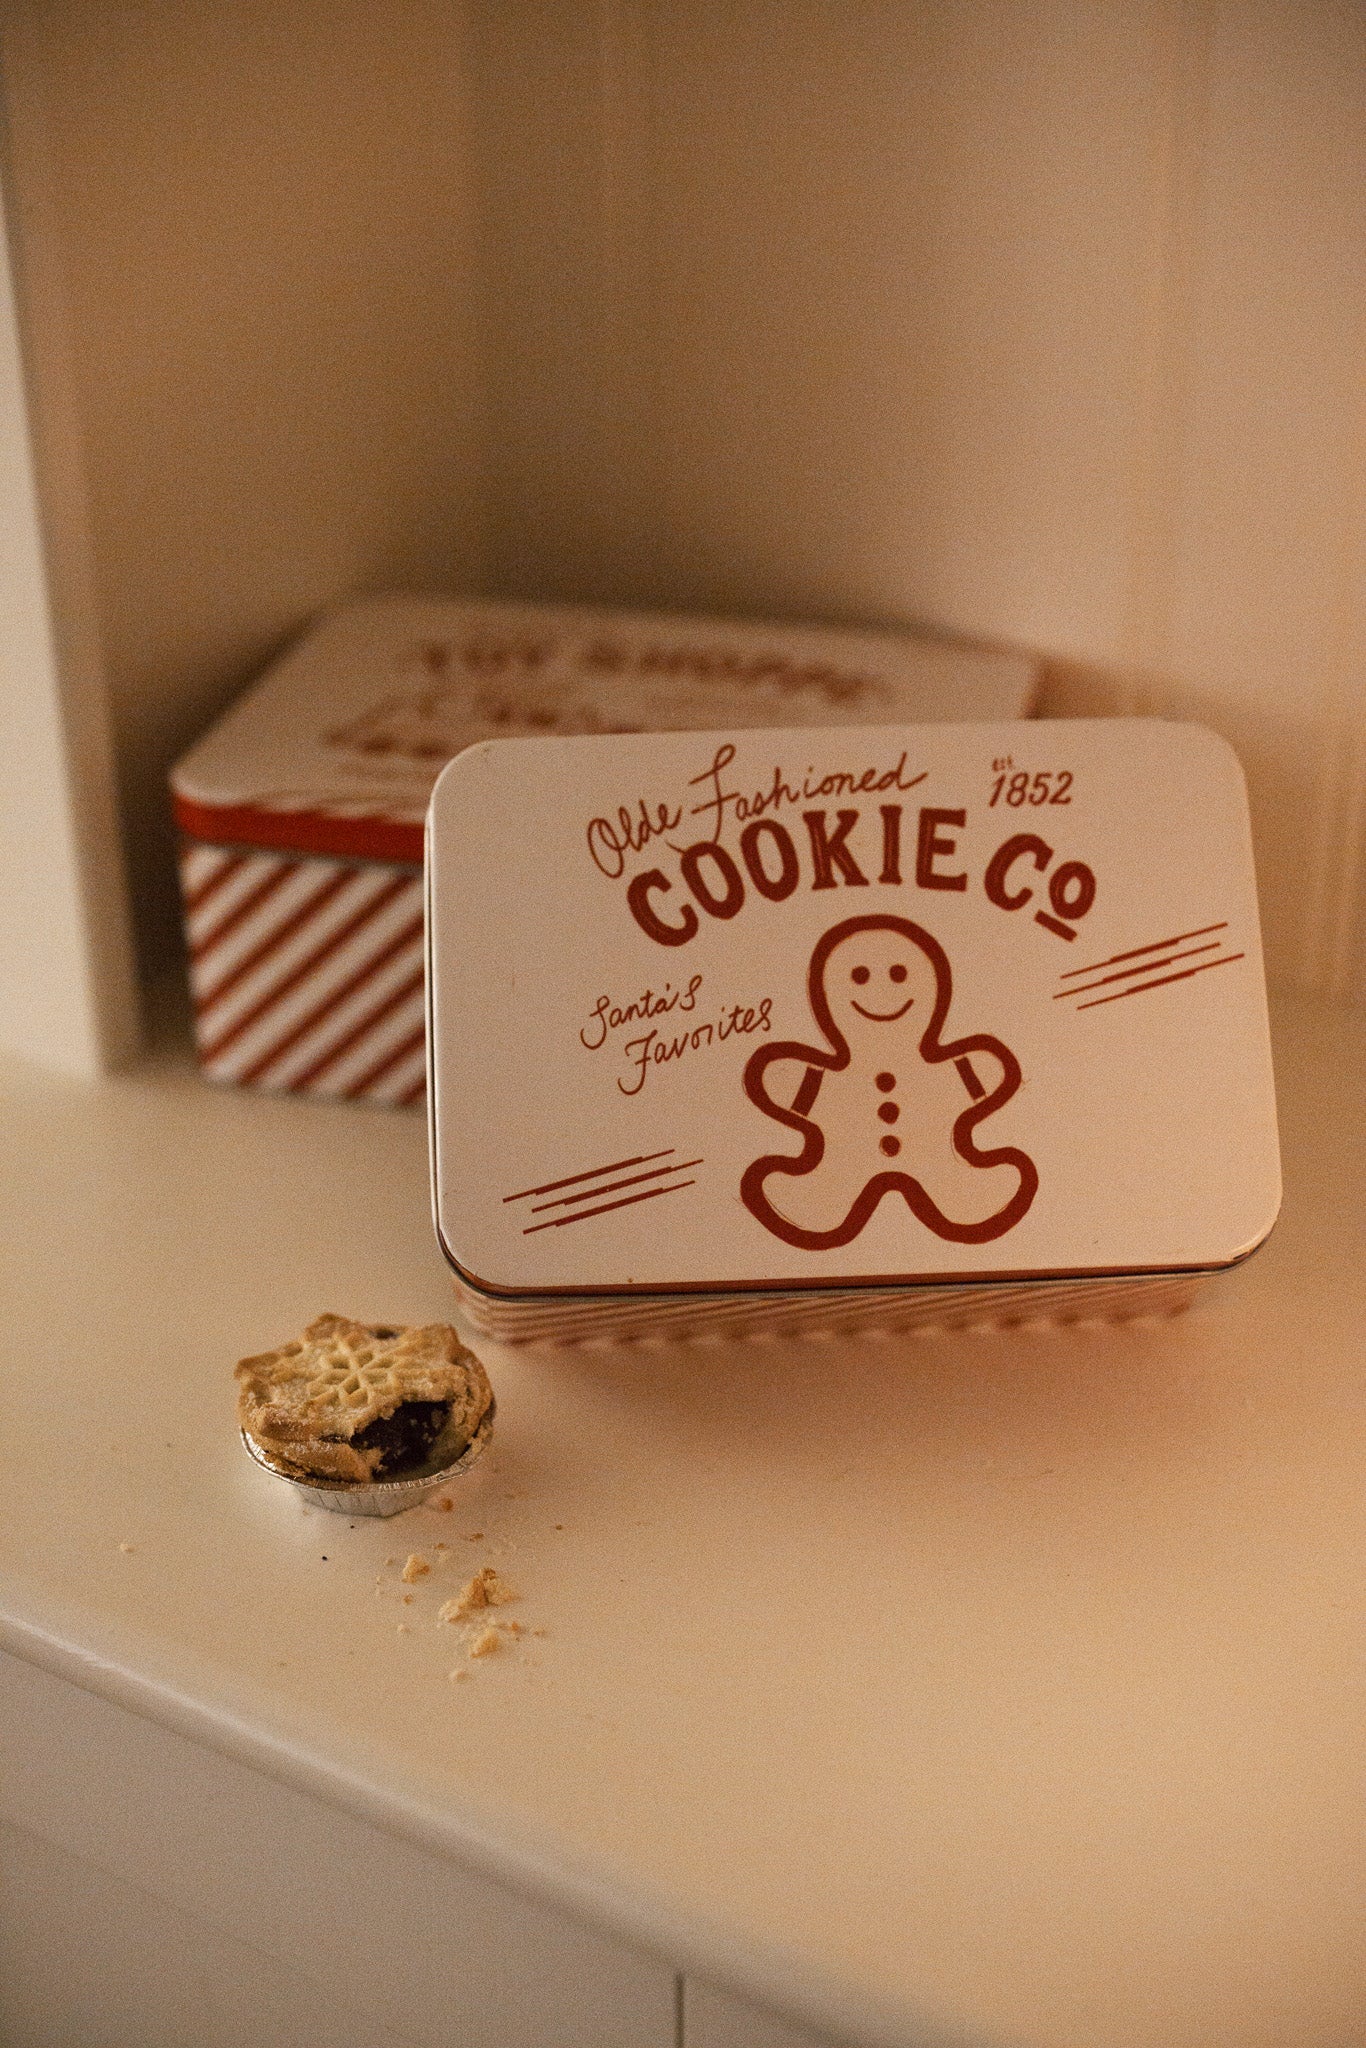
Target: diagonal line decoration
pixel 1138 988
pixel 1157 946
pixel 1145 961
pixel 563 1201
pixel 590 1186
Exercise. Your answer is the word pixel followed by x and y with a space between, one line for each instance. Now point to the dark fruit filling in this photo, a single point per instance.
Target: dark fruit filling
pixel 405 1438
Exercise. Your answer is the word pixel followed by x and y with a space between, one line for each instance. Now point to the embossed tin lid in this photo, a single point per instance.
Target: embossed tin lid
pixel 335 750
pixel 863 1005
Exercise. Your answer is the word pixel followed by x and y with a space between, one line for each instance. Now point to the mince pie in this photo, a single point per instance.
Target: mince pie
pixel 358 1401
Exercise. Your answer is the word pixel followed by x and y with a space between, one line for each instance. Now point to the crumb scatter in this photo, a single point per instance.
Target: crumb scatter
pixel 485 1589
pixel 416 1567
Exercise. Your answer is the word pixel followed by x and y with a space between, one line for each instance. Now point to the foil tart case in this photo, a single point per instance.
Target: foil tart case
pixel 791 1029
pixel 380 1496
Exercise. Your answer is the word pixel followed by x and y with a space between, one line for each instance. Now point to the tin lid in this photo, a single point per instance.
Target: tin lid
pixel 336 749
pixel 868 1005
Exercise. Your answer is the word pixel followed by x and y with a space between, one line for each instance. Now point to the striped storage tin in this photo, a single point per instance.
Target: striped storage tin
pixel 301 813
pixel 306 971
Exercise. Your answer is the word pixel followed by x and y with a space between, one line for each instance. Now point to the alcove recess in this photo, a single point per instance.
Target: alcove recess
pixel 1035 323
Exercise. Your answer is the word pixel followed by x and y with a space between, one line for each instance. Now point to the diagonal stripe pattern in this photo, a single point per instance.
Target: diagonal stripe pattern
pixel 306 973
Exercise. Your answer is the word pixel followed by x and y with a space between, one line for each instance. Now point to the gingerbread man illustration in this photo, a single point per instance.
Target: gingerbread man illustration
pixel 887 1106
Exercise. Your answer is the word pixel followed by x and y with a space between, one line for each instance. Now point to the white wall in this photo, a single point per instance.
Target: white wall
pixel 1035 320
pixel 67 995
pixel 258 218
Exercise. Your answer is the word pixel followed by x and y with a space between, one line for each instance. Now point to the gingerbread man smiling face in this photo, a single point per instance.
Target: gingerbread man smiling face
pixel 877 976
pixel 887 1106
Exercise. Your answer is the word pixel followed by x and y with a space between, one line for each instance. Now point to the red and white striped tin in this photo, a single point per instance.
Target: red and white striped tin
pixel 306 972
pixel 302 811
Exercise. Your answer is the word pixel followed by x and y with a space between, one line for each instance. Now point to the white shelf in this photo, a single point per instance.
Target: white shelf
pixel 1012 1678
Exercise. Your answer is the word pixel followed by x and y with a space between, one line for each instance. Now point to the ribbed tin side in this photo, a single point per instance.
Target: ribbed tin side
pixel 822 1312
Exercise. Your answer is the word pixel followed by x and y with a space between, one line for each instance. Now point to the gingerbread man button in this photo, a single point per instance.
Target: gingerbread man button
pixel 887 1106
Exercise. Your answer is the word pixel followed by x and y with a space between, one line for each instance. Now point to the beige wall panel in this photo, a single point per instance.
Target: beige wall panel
pixel 714 2019
pixel 831 313
pixel 263 218
pixel 1036 320
pixel 1256 620
pixel 66 977
pixel 1033 320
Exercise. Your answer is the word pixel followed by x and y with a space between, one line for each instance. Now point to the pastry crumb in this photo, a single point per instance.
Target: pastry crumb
pixel 407 1599
pixel 475 1536
pixel 487 1640
pixel 456 1676
pixel 127 1549
pixel 403 1629
pixel 417 1567
pixel 444 1507
pixel 485 1589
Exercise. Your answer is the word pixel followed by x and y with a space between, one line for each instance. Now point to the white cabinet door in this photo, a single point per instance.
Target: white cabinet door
pixel 87 1958
pixel 713 2019
pixel 217 1885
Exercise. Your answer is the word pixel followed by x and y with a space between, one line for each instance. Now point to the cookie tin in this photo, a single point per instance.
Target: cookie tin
pixel 301 812
pixel 922 1022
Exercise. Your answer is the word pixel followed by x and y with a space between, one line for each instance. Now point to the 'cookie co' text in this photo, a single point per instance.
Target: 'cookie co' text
pixel 824 847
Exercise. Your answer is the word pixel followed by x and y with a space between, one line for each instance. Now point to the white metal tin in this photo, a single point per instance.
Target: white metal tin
pixel 302 809
pixel 813 1022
